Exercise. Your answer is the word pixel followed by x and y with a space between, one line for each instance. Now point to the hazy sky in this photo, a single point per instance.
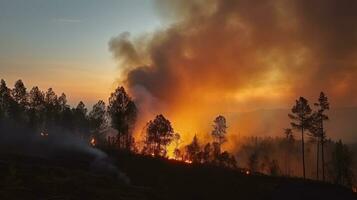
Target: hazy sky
pixel 198 58
pixel 64 43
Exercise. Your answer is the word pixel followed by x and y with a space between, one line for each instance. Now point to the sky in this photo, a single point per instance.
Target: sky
pixel 226 57
pixel 63 44
pixel 190 60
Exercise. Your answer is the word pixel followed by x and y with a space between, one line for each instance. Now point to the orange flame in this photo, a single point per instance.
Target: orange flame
pixel 92 142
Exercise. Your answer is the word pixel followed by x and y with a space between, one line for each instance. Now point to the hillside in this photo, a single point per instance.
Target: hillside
pixel 29 177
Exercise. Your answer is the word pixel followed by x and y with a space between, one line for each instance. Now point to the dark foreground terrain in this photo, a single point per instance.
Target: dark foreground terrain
pixel 73 177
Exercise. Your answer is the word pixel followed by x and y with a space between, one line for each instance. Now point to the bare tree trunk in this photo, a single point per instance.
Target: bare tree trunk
pixel 303 152
pixel 317 159
pixel 286 164
pixel 322 151
pixel 323 158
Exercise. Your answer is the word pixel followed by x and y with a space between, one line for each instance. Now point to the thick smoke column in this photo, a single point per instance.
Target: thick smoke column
pixel 223 56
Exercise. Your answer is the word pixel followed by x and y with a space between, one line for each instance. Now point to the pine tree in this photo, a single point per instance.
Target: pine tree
pixel 219 132
pixel 193 150
pixel 301 120
pixel 320 116
pixel 123 113
pixel 159 134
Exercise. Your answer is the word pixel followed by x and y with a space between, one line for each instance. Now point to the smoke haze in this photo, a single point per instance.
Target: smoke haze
pixel 229 56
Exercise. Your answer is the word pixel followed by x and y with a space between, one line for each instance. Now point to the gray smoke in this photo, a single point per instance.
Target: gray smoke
pixel 61 145
pixel 223 56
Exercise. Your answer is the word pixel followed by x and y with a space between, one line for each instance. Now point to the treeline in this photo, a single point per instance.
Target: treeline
pixel 39 113
pixel 36 112
pixel 281 156
pixel 310 121
pixel 43 113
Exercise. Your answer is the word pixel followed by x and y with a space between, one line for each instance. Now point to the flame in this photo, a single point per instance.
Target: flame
pixel 171 157
pixel 247 172
pixel 188 161
pixel 181 160
pixel 93 142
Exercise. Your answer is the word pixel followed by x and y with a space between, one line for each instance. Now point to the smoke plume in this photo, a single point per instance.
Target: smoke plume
pixel 227 56
pixel 60 145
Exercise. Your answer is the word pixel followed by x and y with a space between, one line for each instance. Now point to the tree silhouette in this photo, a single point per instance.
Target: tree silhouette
pixel 226 160
pixel 4 95
pixel 219 131
pixel 36 109
pixel 19 95
pixel 8 106
pixel 320 116
pixel 301 120
pixel 51 109
pixel 97 119
pixel 176 139
pixel 62 101
pixel 193 150
pixel 80 120
pixel 159 133
pixel 123 113
pixel 342 164
pixel 207 153
pixel 66 114
pixel 289 142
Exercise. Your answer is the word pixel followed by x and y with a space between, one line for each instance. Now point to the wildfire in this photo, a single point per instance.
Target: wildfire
pixel 181 159
pixel 169 157
pixel 92 142
pixel 188 161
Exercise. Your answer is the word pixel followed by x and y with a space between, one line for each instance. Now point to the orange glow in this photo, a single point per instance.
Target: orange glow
pixel 93 142
pixel 188 161
pixel 194 75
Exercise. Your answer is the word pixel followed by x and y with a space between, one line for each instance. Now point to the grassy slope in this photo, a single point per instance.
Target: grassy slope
pixel 25 177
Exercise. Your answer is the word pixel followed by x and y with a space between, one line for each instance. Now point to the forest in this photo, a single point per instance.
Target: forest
pixel 303 150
